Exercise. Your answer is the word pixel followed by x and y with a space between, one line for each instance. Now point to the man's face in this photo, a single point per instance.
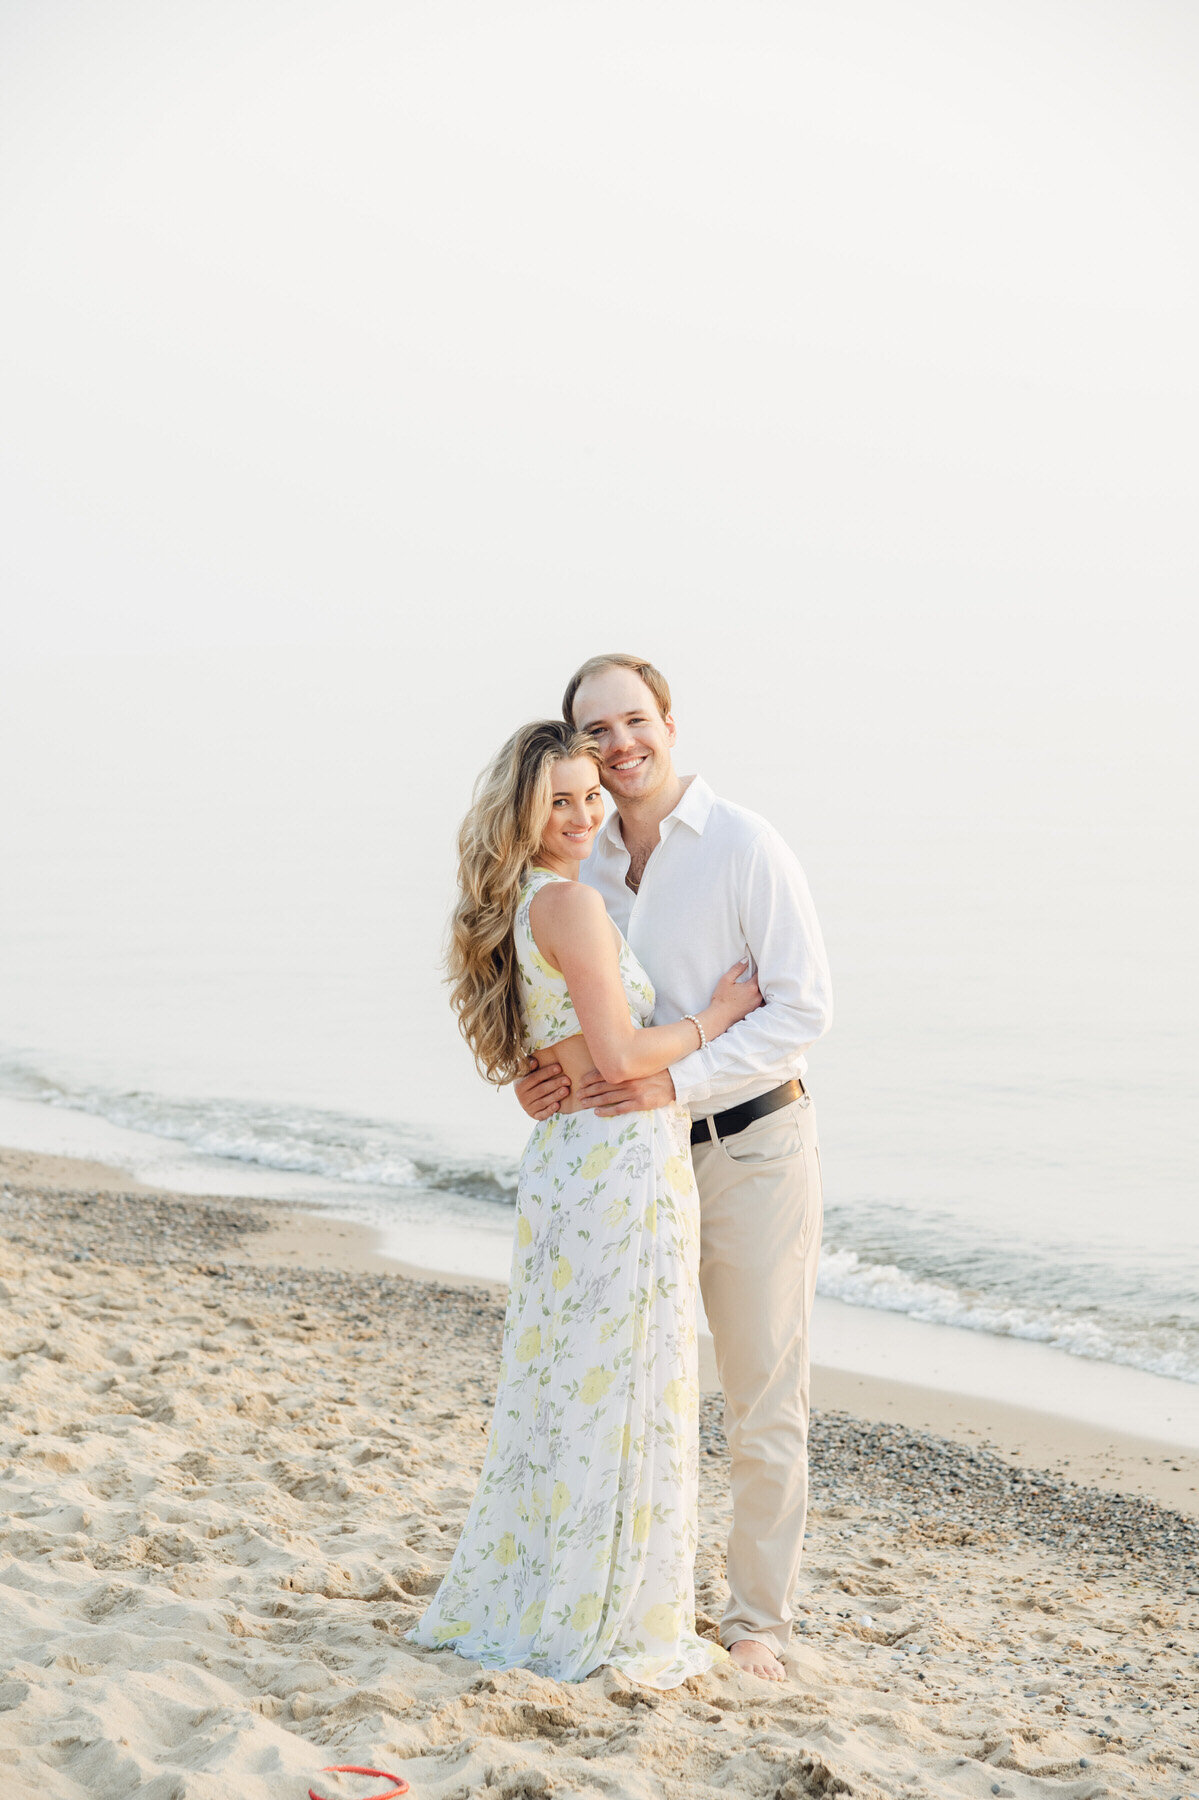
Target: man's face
pixel 635 740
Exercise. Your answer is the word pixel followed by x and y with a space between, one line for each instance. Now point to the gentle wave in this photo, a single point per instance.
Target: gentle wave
pixel 1160 1348
pixel 297 1140
pixel 346 1149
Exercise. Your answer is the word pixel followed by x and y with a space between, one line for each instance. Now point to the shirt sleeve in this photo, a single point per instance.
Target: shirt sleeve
pixel 783 936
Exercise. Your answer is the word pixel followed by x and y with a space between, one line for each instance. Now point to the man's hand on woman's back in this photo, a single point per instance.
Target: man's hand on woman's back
pixel 542 1091
pixel 609 1098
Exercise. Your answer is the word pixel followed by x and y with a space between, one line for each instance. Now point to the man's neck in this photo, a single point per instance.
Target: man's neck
pixel 640 820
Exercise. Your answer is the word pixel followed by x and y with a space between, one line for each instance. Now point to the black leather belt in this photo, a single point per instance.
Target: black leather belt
pixel 736 1118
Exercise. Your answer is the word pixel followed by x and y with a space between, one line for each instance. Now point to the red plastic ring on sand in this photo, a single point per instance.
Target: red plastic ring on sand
pixel 401 1786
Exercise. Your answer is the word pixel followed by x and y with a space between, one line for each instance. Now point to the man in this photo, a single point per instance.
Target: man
pixel 694 882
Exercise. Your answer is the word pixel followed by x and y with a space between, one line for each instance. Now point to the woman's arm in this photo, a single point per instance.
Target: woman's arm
pixel 573 932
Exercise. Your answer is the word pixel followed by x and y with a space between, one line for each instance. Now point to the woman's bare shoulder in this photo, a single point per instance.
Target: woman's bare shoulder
pixel 571 901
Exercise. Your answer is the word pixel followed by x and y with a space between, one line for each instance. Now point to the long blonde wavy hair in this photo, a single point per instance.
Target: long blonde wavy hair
pixel 500 837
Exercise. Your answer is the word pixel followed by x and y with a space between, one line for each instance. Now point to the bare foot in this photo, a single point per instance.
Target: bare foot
pixel 755 1659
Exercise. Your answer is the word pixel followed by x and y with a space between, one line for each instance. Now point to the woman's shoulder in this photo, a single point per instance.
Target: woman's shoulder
pixel 565 918
pixel 572 900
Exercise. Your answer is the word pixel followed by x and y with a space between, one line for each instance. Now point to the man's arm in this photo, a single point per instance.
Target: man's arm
pixel 784 939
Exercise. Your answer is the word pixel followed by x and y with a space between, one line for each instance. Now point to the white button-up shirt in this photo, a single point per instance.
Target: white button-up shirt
pixel 721 884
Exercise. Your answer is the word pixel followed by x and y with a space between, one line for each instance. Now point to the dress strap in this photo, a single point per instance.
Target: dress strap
pixel 535 880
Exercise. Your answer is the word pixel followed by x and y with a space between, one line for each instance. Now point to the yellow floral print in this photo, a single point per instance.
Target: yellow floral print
pixel 543 968
pixel 618 1443
pixel 661 1621
pixel 455 1628
pixel 677 1170
pixel 595 1385
pixel 595 1414
pixel 586 1612
pixel 680 1396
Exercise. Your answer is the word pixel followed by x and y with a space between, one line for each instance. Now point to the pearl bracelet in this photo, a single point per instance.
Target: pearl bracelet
pixel 703 1036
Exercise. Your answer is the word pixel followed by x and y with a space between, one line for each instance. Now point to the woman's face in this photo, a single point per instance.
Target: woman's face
pixel 576 814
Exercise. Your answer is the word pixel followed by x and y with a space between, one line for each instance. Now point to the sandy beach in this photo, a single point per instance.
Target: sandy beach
pixel 237 1447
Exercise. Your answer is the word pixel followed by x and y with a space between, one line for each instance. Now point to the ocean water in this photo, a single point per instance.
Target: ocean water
pixel 221 913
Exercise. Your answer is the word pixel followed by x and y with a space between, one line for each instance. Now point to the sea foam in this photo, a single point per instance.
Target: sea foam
pixel 894 1271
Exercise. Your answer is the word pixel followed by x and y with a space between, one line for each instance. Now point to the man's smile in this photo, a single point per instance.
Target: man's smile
pixel 631 762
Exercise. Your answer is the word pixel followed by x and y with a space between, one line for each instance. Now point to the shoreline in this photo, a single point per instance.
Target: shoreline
pixel 309 1237
pixel 456 1239
pixel 234 1468
pixel 1077 1450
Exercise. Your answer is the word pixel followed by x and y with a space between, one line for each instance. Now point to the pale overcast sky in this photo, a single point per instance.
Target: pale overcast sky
pixel 364 365
pixel 447 323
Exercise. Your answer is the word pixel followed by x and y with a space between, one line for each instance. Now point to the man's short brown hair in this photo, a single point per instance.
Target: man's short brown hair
pixel 653 678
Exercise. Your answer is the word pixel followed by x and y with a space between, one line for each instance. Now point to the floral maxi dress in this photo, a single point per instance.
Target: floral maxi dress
pixel 579 1547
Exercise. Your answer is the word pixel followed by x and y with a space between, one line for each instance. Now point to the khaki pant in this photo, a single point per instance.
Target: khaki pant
pixel 760 1220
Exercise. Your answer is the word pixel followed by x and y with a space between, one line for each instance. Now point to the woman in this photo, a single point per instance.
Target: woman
pixel 579 1547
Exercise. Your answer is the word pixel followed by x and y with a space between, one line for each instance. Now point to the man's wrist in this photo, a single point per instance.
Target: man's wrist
pixel 687 1092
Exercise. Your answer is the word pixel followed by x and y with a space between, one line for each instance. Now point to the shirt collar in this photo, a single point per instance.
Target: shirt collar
pixel 693 810
pixel 609 831
pixel 695 806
